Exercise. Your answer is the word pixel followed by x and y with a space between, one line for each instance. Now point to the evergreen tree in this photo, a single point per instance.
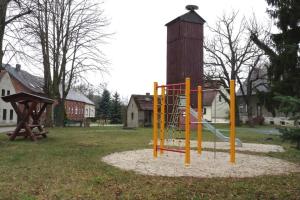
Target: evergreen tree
pixel 105 105
pixel 116 109
pixel 283 53
pixel 284 68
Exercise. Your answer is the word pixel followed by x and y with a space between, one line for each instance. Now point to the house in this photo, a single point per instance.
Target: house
pixel 256 106
pixel 77 105
pixel 215 107
pixel 7 113
pixel 140 111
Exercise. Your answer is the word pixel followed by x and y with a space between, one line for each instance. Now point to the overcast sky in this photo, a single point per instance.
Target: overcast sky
pixel 137 51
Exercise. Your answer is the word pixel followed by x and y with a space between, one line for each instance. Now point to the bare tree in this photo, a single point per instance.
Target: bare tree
pixel 6 20
pixel 231 55
pixel 66 36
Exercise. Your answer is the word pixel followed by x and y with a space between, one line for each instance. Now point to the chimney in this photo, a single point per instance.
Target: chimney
pixel 18 67
pixel 185 49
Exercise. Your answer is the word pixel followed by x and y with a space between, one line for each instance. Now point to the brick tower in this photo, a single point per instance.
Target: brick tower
pixel 185 49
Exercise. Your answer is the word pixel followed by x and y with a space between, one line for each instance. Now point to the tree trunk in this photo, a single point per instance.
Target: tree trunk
pixel 250 116
pixel 237 115
pixel 298 144
pixel 49 121
pixel 3 8
pixel 60 113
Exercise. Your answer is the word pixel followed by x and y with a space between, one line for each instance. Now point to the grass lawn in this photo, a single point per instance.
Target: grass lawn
pixel 67 165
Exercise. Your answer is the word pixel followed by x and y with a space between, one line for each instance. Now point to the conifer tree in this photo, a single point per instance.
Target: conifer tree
pixel 105 105
pixel 116 109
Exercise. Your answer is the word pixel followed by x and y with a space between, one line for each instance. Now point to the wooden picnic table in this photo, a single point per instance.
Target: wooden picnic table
pixel 29 108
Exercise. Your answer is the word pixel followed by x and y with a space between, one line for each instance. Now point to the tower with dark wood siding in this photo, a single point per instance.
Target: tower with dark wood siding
pixel 185 49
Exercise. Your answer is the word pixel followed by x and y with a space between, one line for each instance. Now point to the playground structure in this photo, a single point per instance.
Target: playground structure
pixel 172 113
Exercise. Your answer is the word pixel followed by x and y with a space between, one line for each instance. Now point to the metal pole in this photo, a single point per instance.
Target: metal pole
pixel 199 125
pixel 187 121
pixel 155 101
pixel 232 121
pixel 162 121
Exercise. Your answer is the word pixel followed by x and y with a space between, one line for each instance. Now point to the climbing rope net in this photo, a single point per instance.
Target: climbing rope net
pixel 172 119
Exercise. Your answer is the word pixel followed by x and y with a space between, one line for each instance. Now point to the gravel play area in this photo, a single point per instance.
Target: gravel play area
pixel 205 165
pixel 263 148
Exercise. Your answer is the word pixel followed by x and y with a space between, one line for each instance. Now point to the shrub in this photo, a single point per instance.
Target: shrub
pixel 292 134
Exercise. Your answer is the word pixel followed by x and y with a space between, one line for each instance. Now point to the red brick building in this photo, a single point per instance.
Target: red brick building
pixel 75 102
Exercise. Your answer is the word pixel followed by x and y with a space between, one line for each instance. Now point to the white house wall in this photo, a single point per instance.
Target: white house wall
pixel 89 111
pixel 220 108
pixel 132 114
pixel 207 114
pixel 6 85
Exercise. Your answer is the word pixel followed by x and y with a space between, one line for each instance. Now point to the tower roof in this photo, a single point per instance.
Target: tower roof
pixel 191 16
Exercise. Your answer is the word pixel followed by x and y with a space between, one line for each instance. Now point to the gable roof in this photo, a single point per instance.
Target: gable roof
pixel 2 73
pixel 259 81
pixel 78 96
pixel 144 102
pixel 208 97
pixel 210 94
pixel 190 16
pixel 33 83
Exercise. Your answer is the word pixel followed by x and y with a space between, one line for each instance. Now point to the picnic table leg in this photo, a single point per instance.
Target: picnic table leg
pixel 37 119
pixel 29 132
pixel 16 131
pixel 30 110
pixel 20 123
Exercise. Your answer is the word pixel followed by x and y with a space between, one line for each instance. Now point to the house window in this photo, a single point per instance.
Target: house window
pixel 4 114
pixel 76 110
pixel 8 92
pixel 220 98
pixel 241 107
pixel 3 92
pixel 132 116
pixel 11 114
pixel 258 110
pixel 204 111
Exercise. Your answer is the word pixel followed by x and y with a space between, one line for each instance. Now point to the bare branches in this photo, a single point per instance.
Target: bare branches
pixel 67 34
pixel 232 55
pixel 17 16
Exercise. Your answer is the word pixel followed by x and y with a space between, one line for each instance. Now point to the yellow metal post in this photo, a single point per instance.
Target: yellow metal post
pixel 232 121
pixel 162 121
pixel 155 102
pixel 187 120
pixel 199 125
